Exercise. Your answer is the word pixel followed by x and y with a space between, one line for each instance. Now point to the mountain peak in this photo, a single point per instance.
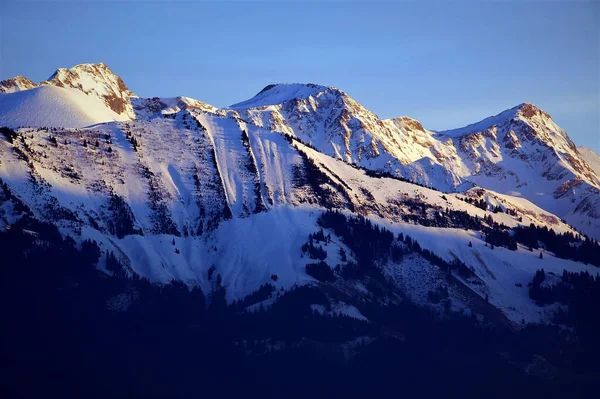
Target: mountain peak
pixel 90 68
pixel 529 110
pixel 294 86
pixel 97 80
pixel 17 83
pixel 279 93
pixel 408 123
pixel 526 111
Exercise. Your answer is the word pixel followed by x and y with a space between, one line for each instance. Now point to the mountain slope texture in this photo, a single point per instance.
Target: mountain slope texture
pixel 302 193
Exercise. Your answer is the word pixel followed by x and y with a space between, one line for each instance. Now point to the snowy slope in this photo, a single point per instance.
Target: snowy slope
pixel 505 273
pixel 17 83
pixel 75 97
pixel 201 190
pixel 98 81
pixel 101 86
pixel 591 158
pixel 278 93
pixel 52 107
pixel 175 187
pixel 519 152
pixel 337 125
pixel 183 181
pixel 147 108
pixel 522 152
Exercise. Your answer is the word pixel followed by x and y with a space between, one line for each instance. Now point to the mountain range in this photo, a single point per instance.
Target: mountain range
pixel 177 189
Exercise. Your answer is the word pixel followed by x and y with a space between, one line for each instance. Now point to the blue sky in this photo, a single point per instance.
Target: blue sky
pixel 445 63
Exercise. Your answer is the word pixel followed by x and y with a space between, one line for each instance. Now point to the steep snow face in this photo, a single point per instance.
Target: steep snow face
pixel 96 80
pixel 53 107
pixel 520 151
pixel 275 94
pixel 191 191
pixel 486 123
pixel 591 158
pixel 171 175
pixel 102 96
pixel 430 160
pixel 147 108
pixel 527 133
pixel 523 152
pixel 185 188
pixel 337 125
pixel 17 83
pixel 137 187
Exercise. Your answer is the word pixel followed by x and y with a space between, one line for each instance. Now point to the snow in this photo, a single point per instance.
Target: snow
pixel 148 108
pixel 341 309
pixel 520 150
pixel 239 183
pixel 484 124
pixel 191 175
pixel 53 107
pixel 592 159
pixel 238 249
pixel 278 94
pixel 247 249
pixel 500 153
pixel 385 190
pixel 18 83
pixel 97 81
pixel 502 270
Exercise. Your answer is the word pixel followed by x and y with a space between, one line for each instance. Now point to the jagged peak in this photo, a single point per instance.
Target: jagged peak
pixel 16 83
pixel 529 110
pixel 278 93
pixel 295 85
pixel 408 123
pixel 85 67
pixel 18 78
pixel 97 80
pixel 147 108
pixel 65 77
pixel 526 111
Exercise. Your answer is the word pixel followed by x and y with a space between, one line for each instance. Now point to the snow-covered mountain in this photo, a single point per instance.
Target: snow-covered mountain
pixel 521 151
pixel 96 80
pixel 83 95
pixel 51 106
pixel 337 125
pixel 178 195
pixel 591 158
pixel 17 83
pixel 178 189
pixel 148 108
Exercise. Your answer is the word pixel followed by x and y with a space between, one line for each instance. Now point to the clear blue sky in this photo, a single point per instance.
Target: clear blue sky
pixel 445 63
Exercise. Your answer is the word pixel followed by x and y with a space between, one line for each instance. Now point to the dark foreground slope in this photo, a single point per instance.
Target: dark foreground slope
pixel 72 331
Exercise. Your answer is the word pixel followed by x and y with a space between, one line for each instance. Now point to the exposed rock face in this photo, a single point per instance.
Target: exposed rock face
pixel 520 150
pixel 147 108
pixel 17 83
pixel 99 81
